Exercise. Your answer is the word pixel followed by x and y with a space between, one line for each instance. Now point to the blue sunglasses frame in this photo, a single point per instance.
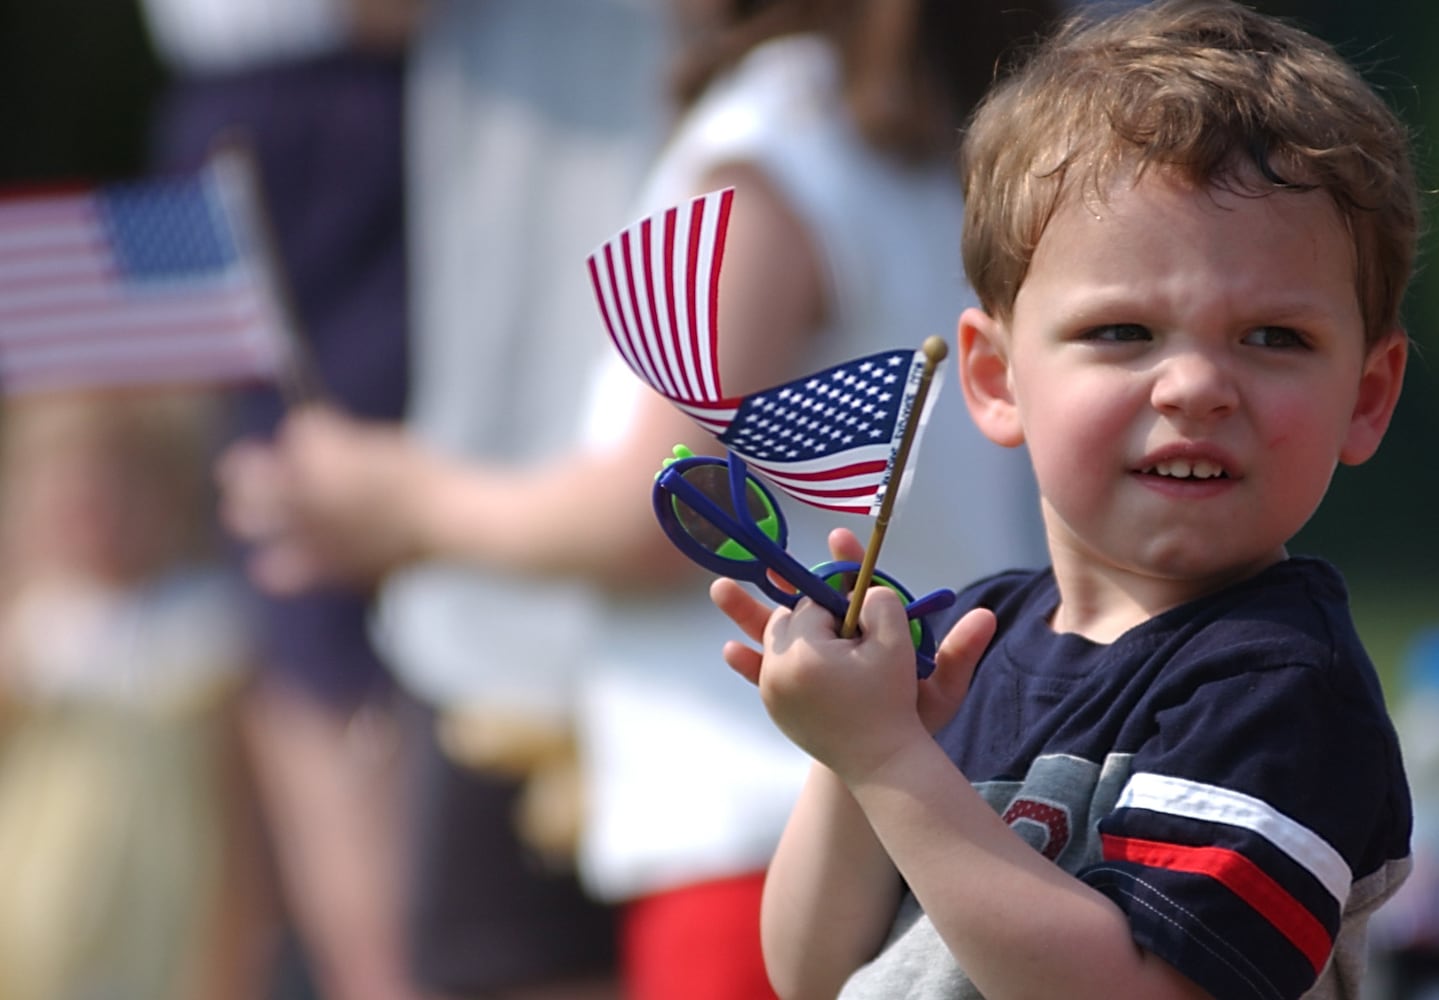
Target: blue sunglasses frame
pixel 768 557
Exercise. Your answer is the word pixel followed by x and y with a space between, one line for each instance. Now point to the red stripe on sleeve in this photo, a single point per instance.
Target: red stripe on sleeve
pixel 1240 876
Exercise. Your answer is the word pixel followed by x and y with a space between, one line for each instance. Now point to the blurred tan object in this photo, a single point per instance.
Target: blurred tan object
pixel 537 750
pixel 121 651
pixel 111 853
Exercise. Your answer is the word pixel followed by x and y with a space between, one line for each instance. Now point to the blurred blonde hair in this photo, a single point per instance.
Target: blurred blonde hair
pixel 161 438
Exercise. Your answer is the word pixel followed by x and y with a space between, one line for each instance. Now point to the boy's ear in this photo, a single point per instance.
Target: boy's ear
pixel 984 376
pixel 1379 387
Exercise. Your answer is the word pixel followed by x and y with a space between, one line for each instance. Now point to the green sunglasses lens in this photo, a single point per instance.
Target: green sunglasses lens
pixel 712 480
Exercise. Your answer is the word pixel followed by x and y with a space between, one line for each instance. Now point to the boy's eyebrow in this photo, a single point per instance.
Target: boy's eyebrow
pixel 1082 302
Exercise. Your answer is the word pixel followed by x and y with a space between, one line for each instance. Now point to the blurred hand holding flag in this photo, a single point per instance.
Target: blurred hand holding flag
pixel 156 281
pixel 830 439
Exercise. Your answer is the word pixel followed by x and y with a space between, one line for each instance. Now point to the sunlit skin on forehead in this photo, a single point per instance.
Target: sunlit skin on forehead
pixel 1231 292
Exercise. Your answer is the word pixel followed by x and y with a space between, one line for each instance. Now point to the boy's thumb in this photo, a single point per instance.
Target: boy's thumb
pixel 960 651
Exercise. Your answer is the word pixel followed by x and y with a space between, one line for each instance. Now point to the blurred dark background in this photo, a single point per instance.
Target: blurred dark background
pixel 1377 522
pixel 77 78
pixel 76 81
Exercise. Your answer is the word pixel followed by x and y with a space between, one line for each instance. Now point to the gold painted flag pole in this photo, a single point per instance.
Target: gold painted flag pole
pixel 935 350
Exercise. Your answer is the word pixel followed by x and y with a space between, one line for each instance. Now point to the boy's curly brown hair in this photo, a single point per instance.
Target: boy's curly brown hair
pixel 1210 89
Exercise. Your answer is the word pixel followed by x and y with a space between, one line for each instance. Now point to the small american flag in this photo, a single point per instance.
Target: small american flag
pixel 657 286
pixel 829 439
pixel 148 282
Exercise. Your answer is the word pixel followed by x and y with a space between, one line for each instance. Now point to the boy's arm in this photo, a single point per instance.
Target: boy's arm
pixel 831 893
pixel 1017 924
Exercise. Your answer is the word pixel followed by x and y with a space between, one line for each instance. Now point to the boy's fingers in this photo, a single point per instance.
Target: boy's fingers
pixel 882 615
pixel 753 618
pixel 959 652
pixel 942 693
pixel 742 608
pixel 844 545
pixel 743 660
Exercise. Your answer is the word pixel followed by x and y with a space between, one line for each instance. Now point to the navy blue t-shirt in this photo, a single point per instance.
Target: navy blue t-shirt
pixel 1226 772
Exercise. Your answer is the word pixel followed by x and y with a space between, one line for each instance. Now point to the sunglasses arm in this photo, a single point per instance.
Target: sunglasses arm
pixel 793 572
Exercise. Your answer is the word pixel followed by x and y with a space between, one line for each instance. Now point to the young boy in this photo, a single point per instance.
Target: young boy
pixel 1161 767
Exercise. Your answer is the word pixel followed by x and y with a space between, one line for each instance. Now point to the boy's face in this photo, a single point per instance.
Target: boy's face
pixel 1187 368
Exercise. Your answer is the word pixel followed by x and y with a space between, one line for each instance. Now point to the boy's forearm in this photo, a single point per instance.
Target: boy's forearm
pixel 1018 925
pixel 830 895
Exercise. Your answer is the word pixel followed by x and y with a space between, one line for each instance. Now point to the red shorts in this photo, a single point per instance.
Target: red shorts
pixel 700 942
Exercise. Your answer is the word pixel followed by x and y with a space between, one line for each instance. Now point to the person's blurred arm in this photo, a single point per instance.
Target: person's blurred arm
pixel 344 499
pixel 339 498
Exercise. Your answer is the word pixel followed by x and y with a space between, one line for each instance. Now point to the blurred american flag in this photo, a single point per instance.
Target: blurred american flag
pixel 149 282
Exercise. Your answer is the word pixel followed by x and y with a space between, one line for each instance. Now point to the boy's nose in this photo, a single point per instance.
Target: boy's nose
pixel 1194 384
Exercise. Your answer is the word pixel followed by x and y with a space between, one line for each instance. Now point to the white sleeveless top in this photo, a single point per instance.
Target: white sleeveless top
pixel 688 778
pixel 515 172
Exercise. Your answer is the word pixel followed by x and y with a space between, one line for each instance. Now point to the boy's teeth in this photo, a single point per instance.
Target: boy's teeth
pixel 1182 468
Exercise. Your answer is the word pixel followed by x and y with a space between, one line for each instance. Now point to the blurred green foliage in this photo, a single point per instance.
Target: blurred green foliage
pixel 1377 522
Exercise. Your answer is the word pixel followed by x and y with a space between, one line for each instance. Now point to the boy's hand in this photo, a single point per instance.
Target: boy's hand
pixel 752 614
pixel 850 703
pixel 941 694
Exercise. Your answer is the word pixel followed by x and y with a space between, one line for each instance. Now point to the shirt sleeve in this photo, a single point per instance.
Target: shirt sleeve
pixel 1249 815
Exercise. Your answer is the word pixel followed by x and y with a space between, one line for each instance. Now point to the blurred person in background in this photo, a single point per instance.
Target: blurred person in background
pixel 313 89
pixel 836 123
pixel 125 847
pixel 529 124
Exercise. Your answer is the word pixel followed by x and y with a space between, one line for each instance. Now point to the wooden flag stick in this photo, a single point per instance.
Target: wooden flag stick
pixel 298 380
pixel 935 350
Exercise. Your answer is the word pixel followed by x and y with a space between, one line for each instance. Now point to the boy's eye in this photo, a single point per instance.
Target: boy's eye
pixel 1117 332
pixel 1275 337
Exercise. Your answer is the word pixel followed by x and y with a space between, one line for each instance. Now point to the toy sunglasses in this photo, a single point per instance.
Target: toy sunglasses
pixel 729 522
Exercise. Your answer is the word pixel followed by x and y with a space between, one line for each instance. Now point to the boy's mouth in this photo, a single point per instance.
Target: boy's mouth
pixel 1183 468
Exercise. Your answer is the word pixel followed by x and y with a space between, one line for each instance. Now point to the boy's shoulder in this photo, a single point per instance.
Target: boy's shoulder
pixel 1304 592
pixel 1010 591
pixel 1292 614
